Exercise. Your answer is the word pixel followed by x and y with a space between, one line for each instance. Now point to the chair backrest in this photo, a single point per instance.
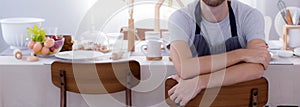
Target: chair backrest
pixel 96 78
pixel 247 94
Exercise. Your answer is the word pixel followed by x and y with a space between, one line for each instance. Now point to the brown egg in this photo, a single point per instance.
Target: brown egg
pixel 49 43
pixel 37 47
pixel 45 51
pixel 30 44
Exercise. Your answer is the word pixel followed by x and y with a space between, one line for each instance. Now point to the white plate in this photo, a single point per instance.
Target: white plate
pixel 79 55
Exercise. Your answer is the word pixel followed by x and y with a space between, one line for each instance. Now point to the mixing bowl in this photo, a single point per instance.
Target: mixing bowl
pixel 14 30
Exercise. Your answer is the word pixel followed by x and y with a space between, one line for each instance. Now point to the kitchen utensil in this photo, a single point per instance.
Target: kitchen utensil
pixel 285 13
pixel 282 8
pixel 288 18
pixel 296 18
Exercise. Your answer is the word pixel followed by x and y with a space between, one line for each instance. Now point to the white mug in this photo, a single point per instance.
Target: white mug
pixel 153 51
pixel 152 35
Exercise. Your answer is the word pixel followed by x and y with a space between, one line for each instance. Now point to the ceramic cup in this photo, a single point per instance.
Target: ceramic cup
pixel 153 51
pixel 294 38
pixel 152 35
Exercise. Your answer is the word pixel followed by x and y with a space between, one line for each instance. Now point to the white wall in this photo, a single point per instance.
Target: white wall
pixel 64 14
pixel 113 18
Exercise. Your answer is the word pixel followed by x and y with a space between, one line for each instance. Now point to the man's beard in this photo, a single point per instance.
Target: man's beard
pixel 213 3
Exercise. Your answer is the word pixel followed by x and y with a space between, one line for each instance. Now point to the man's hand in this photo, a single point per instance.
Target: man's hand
pixel 257 52
pixel 185 90
pixel 258 56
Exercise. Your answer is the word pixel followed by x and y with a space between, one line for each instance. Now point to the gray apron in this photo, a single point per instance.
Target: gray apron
pixel 201 46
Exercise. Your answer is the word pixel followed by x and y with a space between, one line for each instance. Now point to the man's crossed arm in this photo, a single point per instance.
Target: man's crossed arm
pixel 195 74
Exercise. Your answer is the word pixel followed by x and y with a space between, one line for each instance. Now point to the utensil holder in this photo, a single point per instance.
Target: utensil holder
pixel 286 37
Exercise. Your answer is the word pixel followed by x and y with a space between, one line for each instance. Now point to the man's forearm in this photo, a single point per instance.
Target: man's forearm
pixel 241 72
pixel 209 64
pixel 232 75
pixel 183 61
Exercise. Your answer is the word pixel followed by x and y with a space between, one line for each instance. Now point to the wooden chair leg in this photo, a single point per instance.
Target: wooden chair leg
pixel 63 97
pixel 128 97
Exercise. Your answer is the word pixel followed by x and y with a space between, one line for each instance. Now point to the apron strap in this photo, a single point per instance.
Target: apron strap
pixel 232 21
pixel 198 17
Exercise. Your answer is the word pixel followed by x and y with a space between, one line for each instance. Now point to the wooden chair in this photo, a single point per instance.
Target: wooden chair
pixel 247 94
pixel 95 78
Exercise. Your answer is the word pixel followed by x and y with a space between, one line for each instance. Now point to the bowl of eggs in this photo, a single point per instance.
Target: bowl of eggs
pixel 42 45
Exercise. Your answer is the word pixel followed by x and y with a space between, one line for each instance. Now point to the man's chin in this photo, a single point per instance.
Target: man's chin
pixel 213 3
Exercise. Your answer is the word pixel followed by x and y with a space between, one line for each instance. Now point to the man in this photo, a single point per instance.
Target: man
pixel 215 43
